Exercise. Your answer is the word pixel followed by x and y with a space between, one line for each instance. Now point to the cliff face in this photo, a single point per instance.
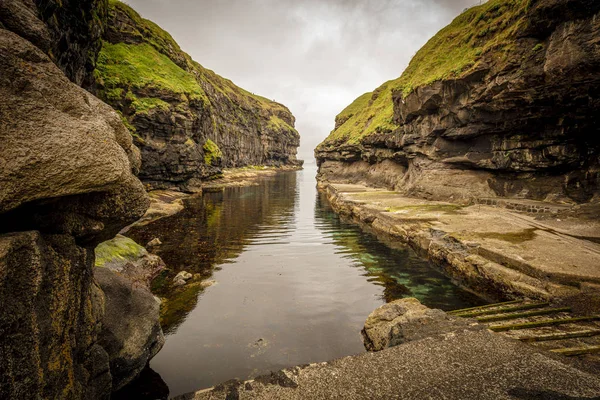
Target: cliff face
pixel 67 182
pixel 501 103
pixel 187 120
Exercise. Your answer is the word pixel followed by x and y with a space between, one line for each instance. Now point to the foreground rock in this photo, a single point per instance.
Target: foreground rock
pixel 406 320
pixel 131 332
pixel 66 184
pixel 461 365
pixel 496 252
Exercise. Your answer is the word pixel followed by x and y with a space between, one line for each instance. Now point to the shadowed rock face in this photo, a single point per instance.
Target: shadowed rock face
pixel 188 121
pixel 67 183
pixel 522 122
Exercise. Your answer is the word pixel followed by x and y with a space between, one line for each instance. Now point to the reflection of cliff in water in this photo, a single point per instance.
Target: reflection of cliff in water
pixel 212 229
pixel 397 269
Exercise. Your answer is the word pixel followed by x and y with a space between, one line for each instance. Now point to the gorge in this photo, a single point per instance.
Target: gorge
pixel 159 237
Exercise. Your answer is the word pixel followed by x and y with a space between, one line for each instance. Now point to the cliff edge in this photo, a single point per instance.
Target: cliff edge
pixel 187 121
pixel 503 102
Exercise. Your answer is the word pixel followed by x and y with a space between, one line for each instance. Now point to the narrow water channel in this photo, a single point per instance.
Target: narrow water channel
pixel 294 283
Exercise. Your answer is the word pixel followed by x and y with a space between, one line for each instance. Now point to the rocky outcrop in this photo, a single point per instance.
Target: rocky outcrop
pixel 67 183
pixel 188 121
pixel 406 320
pixel 510 111
pixel 68 31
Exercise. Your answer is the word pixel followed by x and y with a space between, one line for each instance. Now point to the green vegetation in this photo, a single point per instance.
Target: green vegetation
pixel 445 208
pixel 142 67
pixel 118 249
pixel 212 152
pixel 277 123
pixel 487 30
pixel 134 77
pixel 511 237
pixel 538 47
pixel 144 104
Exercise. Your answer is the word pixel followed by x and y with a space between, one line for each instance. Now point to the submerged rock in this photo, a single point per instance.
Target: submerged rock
pixel 407 320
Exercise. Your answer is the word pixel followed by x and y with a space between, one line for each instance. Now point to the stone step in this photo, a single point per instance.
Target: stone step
pixel 505 317
pixel 501 310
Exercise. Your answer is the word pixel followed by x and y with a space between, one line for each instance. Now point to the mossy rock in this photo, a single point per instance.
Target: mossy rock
pixel 212 153
pixel 117 251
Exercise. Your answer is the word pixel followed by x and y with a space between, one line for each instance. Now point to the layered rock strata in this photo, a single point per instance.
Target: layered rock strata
pixel 510 110
pixel 188 121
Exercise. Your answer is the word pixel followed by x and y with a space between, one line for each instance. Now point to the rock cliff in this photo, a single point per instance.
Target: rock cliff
pixel 187 120
pixel 67 183
pixel 503 102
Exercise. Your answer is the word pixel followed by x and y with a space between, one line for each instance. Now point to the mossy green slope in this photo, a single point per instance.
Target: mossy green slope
pixel 150 59
pixel 482 31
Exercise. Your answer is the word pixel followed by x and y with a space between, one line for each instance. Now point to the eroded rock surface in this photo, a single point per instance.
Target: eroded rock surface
pixel 188 121
pixel 67 183
pixel 131 332
pixel 521 120
pixel 406 320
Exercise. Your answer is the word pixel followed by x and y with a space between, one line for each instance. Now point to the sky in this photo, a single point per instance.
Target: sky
pixel 314 56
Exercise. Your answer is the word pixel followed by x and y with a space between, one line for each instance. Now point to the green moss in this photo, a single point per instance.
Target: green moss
pixel 445 208
pixel 141 66
pixel 144 104
pixel 212 152
pixel 452 52
pixel 538 47
pixel 117 250
pixel 511 237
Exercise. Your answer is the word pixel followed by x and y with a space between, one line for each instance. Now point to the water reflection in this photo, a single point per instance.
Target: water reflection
pixel 294 282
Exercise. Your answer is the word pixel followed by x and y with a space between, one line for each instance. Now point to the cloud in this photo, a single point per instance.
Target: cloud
pixel 314 56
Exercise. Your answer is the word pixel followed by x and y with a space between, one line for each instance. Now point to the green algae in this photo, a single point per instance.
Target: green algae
pixel 445 208
pixel 118 249
pixel 511 237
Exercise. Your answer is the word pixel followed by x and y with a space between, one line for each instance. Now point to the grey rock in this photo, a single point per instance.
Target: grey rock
pixel 131 332
pixel 524 126
pixel 406 320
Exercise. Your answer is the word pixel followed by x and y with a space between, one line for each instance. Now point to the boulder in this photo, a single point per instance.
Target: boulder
pixel 66 184
pixel 407 320
pixel 129 259
pixel 131 332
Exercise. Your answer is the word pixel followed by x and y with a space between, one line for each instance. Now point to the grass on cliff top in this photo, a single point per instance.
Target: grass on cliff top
pixel 141 66
pixel 145 29
pixel 157 63
pixel 451 53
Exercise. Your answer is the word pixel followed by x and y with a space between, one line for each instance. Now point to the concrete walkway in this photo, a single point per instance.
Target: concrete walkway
pixel 460 365
pixel 496 251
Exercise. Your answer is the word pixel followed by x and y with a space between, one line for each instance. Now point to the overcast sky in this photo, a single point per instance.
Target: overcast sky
pixel 314 56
